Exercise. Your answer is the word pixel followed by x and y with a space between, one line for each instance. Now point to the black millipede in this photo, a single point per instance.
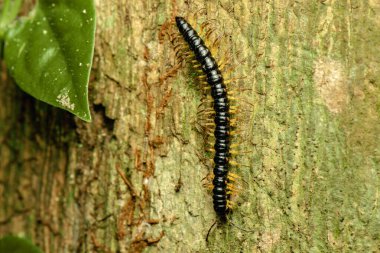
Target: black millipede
pixel 222 122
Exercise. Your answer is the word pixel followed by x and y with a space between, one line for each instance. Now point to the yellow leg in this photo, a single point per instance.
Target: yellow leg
pixel 234 146
pixel 234 152
pixel 233 163
pixel 206 111
pixel 233 176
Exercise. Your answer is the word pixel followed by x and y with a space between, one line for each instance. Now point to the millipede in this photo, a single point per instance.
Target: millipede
pixel 222 112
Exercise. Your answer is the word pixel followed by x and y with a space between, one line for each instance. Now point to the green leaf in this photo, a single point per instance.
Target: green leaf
pixel 9 12
pixel 49 53
pixel 12 244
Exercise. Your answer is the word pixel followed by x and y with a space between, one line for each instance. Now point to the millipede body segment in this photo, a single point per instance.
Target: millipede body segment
pixel 215 80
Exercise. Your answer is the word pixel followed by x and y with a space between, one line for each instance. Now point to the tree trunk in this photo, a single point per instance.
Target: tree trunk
pixel 131 181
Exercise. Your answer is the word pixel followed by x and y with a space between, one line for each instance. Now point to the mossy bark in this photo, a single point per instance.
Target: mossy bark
pixel 131 181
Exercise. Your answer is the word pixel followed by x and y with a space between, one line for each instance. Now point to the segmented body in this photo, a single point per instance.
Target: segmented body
pixel 214 78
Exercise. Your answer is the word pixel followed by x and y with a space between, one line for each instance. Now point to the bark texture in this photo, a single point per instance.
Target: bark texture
pixel 131 181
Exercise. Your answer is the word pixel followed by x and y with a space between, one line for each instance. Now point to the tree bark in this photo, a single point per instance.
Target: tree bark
pixel 131 181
